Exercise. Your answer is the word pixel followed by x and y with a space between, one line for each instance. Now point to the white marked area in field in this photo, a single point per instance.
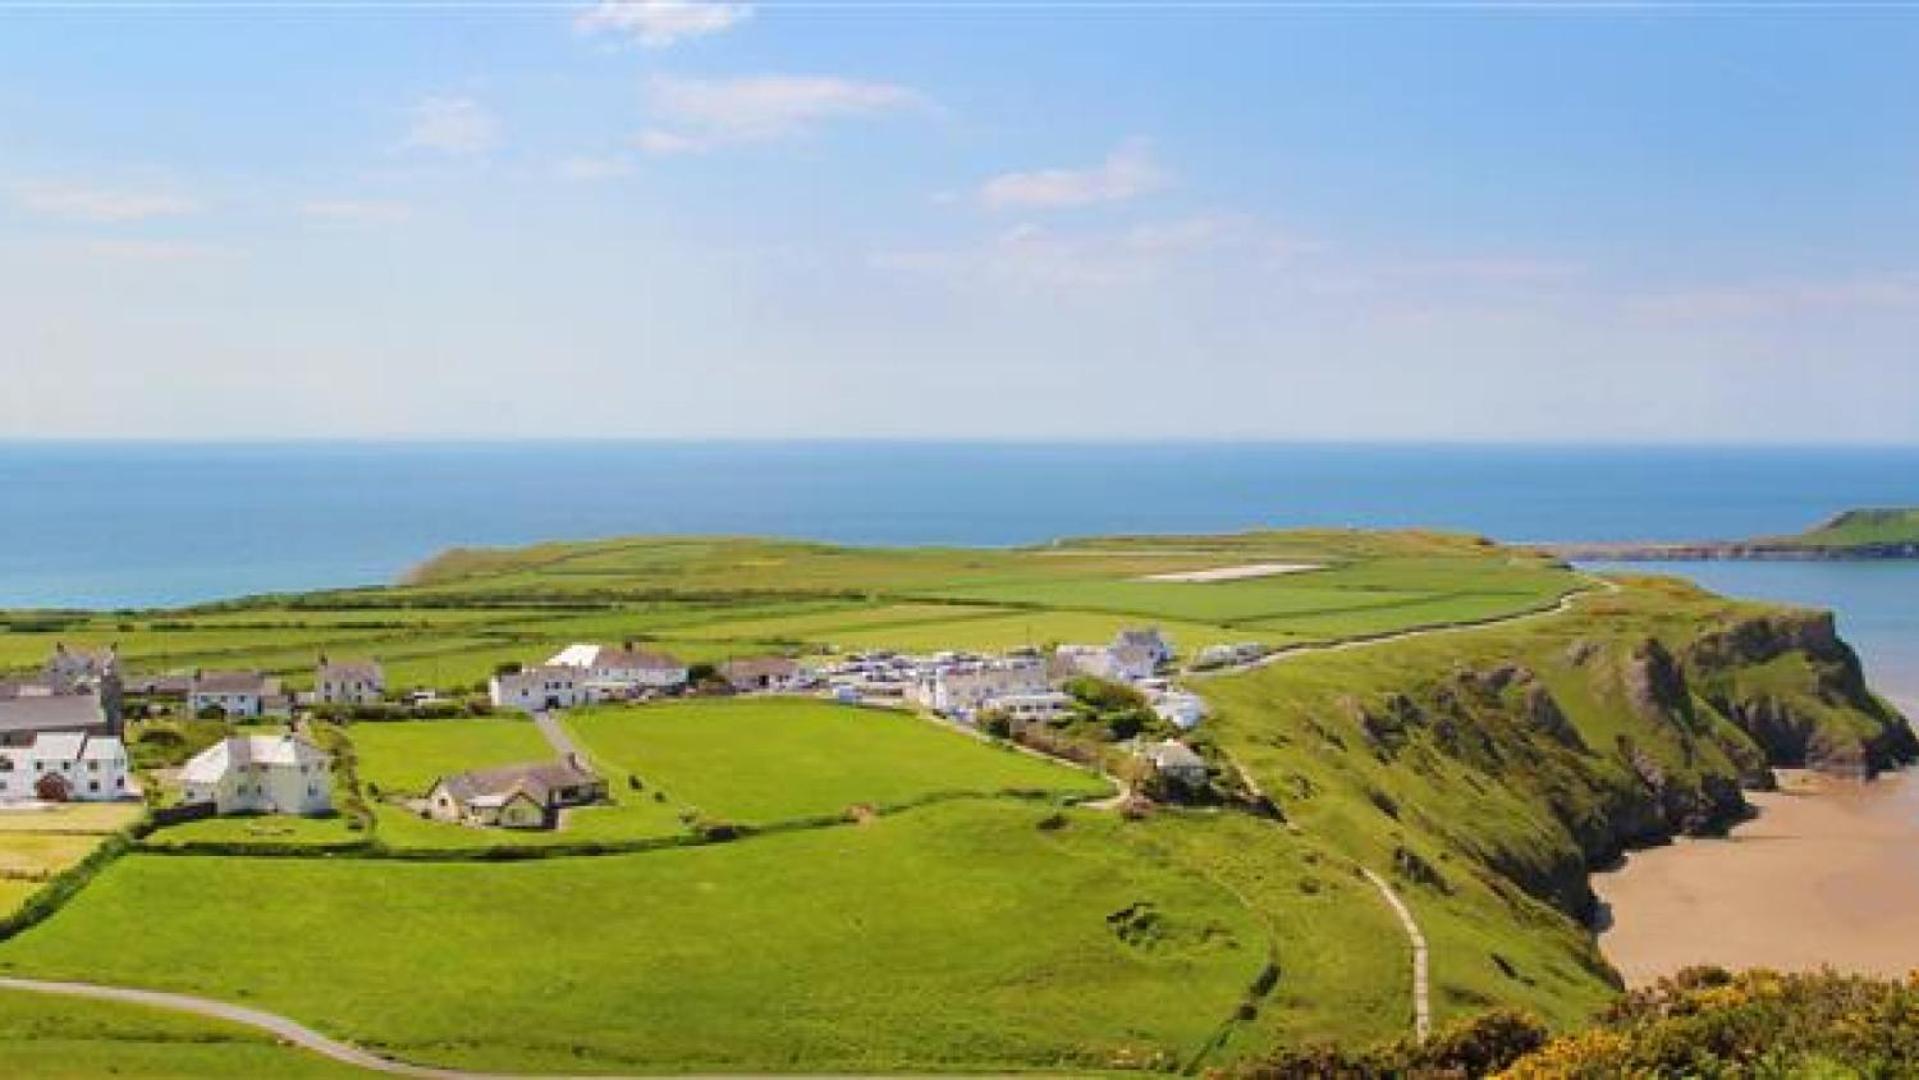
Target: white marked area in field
pixel 1234 573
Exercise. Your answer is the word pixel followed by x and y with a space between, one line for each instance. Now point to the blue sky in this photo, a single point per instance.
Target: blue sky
pixel 693 219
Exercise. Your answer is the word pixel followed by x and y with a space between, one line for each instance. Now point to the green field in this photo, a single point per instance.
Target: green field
pixel 62 1038
pixel 405 758
pixel 710 599
pixel 955 936
pixel 765 760
pixel 1860 527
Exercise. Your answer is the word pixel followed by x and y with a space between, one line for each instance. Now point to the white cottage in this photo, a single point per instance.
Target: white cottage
pixel 626 666
pixel 348 682
pixel 536 689
pixel 261 774
pixel 66 767
pixel 961 689
pixel 238 695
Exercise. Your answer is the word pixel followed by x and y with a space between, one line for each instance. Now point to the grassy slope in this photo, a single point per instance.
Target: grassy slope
pixel 1856 528
pixel 765 760
pixel 960 935
pixel 51 1038
pixel 1472 782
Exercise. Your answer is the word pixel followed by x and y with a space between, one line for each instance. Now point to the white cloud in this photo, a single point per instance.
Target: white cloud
pixel 657 24
pixel 585 168
pixel 703 114
pixel 1893 292
pixel 105 207
pixel 157 251
pixel 355 211
pixel 1128 172
pixel 452 125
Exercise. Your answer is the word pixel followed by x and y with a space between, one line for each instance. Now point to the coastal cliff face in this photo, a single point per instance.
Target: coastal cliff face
pixel 1514 761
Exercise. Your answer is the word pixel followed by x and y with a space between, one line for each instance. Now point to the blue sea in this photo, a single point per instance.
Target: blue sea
pixel 111 525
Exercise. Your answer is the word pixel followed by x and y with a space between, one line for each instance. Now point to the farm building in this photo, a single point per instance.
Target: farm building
pixel 236 694
pixel 1176 762
pixel 262 774
pixel 30 710
pixel 514 796
pixel 628 667
pixel 66 767
pixel 348 682
pixel 535 689
pixel 764 673
pixel 962 688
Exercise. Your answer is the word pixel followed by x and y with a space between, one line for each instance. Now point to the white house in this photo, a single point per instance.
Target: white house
pixel 535 689
pixel 526 796
pixel 1181 709
pixel 1177 763
pixel 1042 707
pixel 68 669
pixel 1134 655
pixel 626 666
pixel 774 674
pixel 261 774
pixel 348 682
pixel 239 695
pixel 66 767
pixel 960 689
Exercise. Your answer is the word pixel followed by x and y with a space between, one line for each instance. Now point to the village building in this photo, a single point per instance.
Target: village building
pixel 1180 708
pixel 236 695
pixel 513 797
pixel 1133 656
pixel 348 682
pixel 260 774
pixel 1042 707
pixel 72 669
pixel 1176 763
pixel 34 711
pixel 960 689
pixel 66 767
pixel 764 674
pixel 538 688
pixel 623 668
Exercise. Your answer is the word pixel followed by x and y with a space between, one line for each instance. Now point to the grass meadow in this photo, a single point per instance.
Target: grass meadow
pixel 980 935
pixel 771 759
pixel 59 1038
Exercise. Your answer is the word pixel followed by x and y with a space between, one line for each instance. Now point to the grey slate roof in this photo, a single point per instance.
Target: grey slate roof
pixel 54 712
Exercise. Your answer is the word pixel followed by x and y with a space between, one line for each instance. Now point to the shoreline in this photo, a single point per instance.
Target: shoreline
pixel 1825 874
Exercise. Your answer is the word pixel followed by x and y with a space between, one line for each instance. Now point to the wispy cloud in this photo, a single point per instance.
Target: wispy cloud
pixel 76 202
pixel 1127 173
pixel 585 168
pixel 452 125
pixel 658 24
pixel 1881 292
pixel 355 211
pixel 157 251
pixel 703 114
pixel 1031 255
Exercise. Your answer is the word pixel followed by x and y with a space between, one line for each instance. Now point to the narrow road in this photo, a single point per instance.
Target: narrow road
pixel 1422 988
pixel 556 737
pixel 273 1024
pixel 1565 604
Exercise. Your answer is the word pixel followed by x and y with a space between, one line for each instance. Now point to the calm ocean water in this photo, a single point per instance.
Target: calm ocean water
pixel 123 525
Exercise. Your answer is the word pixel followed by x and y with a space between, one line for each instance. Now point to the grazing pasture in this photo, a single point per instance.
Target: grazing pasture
pixel 764 760
pixel 64 1038
pixel 981 935
pixel 36 844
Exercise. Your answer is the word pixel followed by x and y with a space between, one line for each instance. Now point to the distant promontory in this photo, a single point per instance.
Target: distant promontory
pixel 1878 533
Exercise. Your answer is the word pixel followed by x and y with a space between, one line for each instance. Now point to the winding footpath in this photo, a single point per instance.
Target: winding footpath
pixel 1422 981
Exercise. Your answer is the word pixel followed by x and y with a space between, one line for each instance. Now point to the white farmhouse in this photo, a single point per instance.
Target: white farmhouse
pixel 628 667
pixel 536 689
pixel 1032 708
pixel 1134 655
pixel 66 767
pixel 961 689
pixel 261 774
pixel 348 682
pixel 239 695
pixel 1180 708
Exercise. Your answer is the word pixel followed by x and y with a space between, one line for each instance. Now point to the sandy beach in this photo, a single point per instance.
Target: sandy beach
pixel 1826 875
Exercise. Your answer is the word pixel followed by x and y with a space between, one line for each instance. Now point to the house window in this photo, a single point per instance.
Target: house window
pixel 93 785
